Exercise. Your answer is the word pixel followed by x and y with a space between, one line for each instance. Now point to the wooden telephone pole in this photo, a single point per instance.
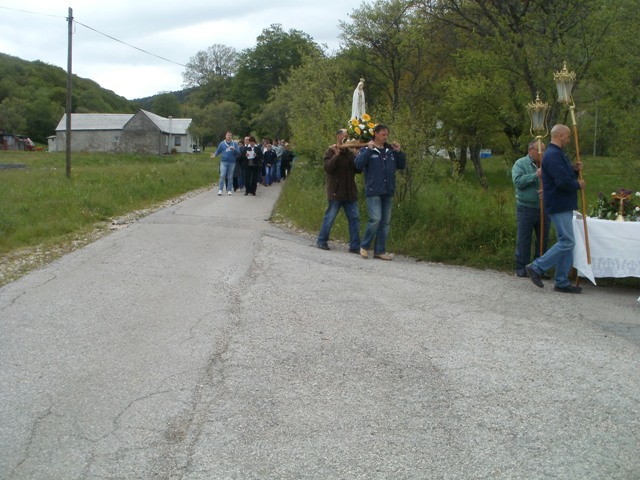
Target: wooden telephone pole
pixel 68 107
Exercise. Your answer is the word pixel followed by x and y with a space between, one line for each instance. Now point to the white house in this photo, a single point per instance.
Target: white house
pixel 143 132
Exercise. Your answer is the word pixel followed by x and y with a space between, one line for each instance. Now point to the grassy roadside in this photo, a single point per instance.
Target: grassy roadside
pixel 45 215
pixel 450 221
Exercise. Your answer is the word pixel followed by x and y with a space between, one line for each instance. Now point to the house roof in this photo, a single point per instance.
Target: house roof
pixel 95 121
pixel 117 121
pixel 175 125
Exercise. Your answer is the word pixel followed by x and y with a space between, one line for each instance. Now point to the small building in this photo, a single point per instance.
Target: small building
pixel 9 141
pixel 142 132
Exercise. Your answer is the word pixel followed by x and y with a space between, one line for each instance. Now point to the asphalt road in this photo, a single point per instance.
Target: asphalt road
pixel 203 342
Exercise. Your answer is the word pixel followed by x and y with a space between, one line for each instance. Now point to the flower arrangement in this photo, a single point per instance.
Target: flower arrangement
pixel 622 202
pixel 361 129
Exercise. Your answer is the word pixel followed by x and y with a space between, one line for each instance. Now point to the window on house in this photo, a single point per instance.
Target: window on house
pixel 178 141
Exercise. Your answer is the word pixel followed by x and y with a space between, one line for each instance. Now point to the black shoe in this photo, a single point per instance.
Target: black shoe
pixel 534 276
pixel 246 194
pixel 544 276
pixel 354 250
pixel 568 289
pixel 522 274
pixel 323 247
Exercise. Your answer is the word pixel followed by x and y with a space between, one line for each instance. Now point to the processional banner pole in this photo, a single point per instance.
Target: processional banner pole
pixel 564 82
pixel 539 130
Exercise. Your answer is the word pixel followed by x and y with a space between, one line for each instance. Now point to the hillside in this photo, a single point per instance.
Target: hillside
pixel 33 97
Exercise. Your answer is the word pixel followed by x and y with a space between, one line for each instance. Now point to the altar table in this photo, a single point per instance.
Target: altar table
pixel 614 247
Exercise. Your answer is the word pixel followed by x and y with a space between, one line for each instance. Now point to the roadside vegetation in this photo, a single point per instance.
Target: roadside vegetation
pixel 446 218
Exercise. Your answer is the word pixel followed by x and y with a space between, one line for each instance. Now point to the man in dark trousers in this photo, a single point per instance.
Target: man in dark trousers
pixel 341 192
pixel 526 175
pixel 252 161
pixel 560 188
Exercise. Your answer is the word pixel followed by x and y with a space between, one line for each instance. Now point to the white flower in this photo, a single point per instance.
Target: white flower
pixel 638 193
pixel 613 193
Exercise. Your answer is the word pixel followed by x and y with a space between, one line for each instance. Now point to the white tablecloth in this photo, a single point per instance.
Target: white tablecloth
pixel 614 247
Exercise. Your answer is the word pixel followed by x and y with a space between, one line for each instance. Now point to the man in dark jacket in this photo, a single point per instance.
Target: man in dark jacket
pixel 560 188
pixel 379 160
pixel 341 192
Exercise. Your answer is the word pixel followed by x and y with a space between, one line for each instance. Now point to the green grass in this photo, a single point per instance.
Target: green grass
pixel 40 205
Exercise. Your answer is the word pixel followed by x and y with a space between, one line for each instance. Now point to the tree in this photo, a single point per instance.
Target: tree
pixel 269 64
pixel 318 98
pixel 13 114
pixel 166 105
pixel 520 44
pixel 215 63
pixel 379 38
pixel 210 123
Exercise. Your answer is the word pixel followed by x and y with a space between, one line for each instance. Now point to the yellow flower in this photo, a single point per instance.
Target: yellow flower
pixel 354 122
pixel 365 117
pixel 357 130
pixel 371 124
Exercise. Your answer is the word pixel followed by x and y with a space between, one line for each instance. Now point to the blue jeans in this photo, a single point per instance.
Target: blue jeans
pixel 528 221
pixel 353 216
pixel 379 210
pixel 268 172
pixel 226 172
pixel 277 174
pixel 561 254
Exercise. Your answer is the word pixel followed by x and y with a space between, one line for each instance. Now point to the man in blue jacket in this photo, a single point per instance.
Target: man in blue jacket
pixel 379 161
pixel 560 188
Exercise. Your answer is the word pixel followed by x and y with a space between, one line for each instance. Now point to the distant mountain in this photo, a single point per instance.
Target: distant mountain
pixel 33 97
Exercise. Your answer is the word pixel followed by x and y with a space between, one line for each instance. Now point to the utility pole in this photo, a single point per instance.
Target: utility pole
pixel 68 108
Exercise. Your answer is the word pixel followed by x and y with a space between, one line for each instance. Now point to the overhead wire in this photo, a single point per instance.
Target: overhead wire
pixel 127 44
pixel 97 31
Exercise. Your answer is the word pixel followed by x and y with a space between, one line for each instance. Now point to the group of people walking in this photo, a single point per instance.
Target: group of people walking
pixel 378 161
pixel 244 163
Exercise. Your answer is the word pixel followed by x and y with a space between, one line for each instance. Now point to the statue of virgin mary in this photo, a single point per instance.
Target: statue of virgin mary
pixel 358 105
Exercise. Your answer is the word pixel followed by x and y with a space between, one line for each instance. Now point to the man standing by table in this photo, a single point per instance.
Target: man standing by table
pixel 526 175
pixel 379 161
pixel 560 188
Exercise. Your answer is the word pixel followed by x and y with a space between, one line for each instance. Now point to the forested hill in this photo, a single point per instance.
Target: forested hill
pixel 33 97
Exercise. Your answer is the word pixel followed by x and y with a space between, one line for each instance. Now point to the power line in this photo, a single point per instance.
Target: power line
pixel 32 13
pixel 127 44
pixel 97 31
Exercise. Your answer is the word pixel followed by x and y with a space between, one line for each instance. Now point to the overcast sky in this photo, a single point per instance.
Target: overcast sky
pixel 38 30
